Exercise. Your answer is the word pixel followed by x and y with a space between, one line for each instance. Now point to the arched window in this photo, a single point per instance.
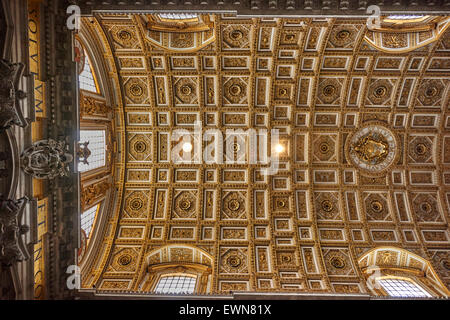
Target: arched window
pixel 176 283
pixel 87 77
pixel 177 269
pixel 404 33
pixel 88 218
pixel 181 32
pixel 96 144
pixel 402 287
pixel 396 272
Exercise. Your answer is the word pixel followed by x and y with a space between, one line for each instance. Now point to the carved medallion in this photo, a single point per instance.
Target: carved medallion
pixel 46 159
pixel 373 149
pixel 185 204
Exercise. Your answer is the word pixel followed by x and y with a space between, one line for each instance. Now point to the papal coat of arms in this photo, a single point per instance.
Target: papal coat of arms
pixel 46 159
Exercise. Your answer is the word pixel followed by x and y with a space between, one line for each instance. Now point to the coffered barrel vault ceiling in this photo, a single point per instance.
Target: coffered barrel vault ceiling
pixel 366 160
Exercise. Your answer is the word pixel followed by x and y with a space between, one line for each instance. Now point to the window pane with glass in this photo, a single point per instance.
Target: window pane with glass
pixel 402 288
pixel 176 284
pixel 86 77
pixel 97 145
pixel 87 219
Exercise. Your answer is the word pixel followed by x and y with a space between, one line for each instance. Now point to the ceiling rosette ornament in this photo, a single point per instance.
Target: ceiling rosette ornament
pixel 373 149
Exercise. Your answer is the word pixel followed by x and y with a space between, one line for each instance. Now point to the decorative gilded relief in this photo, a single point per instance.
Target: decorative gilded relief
pixel 327 206
pixel 236 36
pixel 136 90
pixel 337 262
pixel 140 147
pixel 233 260
pixel 420 149
pixel 380 92
pixel 372 149
pixel 425 207
pixel 324 148
pixel 343 36
pixel 124 37
pixel 431 92
pixel 235 90
pixel 124 260
pixel 185 204
pixel 376 207
pixel 234 205
pixel 186 90
pixel 136 204
pixel 178 35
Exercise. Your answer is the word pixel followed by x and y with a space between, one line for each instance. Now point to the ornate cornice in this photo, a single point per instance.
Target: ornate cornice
pixel 268 7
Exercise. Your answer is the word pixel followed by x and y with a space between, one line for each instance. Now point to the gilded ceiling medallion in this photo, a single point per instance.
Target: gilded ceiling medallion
pixel 377 206
pixel 125 259
pixel 185 204
pixel 426 207
pixel 140 146
pixel 380 91
pixel 124 35
pixel 136 204
pixel 235 89
pixel 234 261
pixel 186 90
pixel 233 205
pixel 236 34
pixel 337 262
pixel 324 147
pixel 329 90
pixel 343 34
pixel 236 147
pixel 373 149
pixel 327 205
pixel 421 148
pixel 136 90
pixel 431 92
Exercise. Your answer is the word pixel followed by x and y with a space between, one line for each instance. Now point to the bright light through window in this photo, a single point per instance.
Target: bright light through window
pixel 87 219
pixel 96 145
pixel 402 288
pixel 404 17
pixel 176 284
pixel 178 16
pixel 86 77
